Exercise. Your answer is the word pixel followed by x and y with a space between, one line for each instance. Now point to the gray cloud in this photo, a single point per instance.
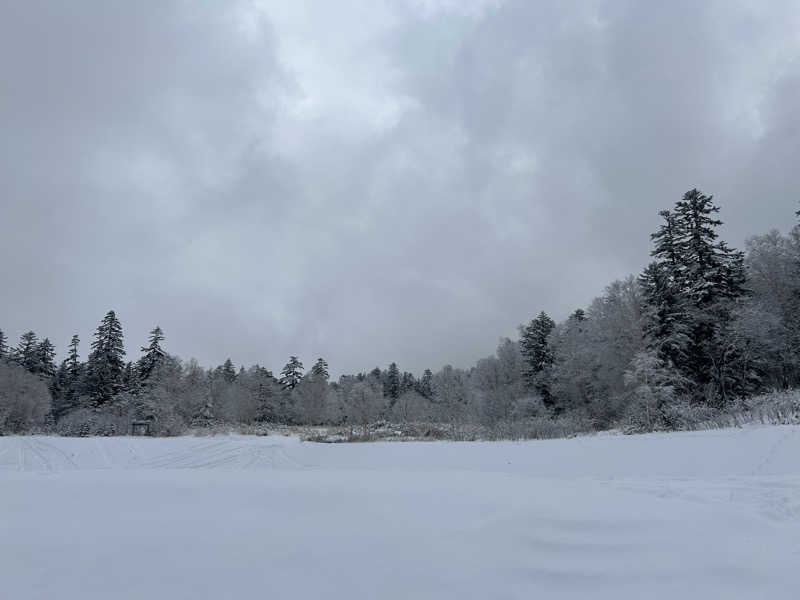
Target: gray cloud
pixel 366 182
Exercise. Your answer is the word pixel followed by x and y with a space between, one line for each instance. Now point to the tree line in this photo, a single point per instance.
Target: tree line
pixel 702 326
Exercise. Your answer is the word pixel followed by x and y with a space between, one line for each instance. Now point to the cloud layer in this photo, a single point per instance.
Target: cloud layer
pixel 370 182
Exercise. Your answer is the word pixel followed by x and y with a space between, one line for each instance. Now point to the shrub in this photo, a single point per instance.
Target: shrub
pixel 25 402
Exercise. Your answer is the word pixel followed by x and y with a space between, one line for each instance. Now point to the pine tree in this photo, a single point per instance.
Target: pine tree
pixel 391 387
pixel 3 346
pixel 45 358
pixel 153 355
pixel 320 369
pixel 105 365
pixel 537 354
pixel 26 353
pixel 292 373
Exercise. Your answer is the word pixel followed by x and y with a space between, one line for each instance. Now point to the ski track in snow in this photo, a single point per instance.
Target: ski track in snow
pixel 693 515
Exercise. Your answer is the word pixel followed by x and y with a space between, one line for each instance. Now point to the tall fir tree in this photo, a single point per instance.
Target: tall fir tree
pixel 689 292
pixel 407 382
pixel 537 354
pixel 425 387
pixel 73 363
pixel 45 358
pixel 228 371
pixel 391 386
pixel 26 353
pixel 320 369
pixel 709 269
pixel 292 373
pixel 106 361
pixel 153 355
pixel 3 346
pixel 66 385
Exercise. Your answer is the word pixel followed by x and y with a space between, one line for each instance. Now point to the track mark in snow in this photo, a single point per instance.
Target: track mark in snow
pixel 46 464
pixel 53 449
pixel 768 458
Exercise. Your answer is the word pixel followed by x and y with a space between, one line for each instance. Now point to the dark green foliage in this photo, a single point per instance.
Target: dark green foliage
pixel 690 293
pixel 292 373
pixel 106 361
pixel 153 355
pixel 391 385
pixel 425 385
pixel 537 354
pixel 407 383
pixel 26 354
pixel 320 369
pixel 45 358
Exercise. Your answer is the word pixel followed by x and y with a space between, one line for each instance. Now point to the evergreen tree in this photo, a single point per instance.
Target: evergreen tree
pixel 425 387
pixel 105 365
pixel 708 269
pixel 391 387
pixel 537 354
pixel 689 291
pixel 130 378
pixel 59 390
pixel 153 355
pixel 292 373
pixel 320 369
pixel 3 345
pixel 45 358
pixel 578 316
pixel 73 364
pixel 66 385
pixel 26 353
pixel 668 247
pixel 407 383
pixel 666 313
pixel 227 371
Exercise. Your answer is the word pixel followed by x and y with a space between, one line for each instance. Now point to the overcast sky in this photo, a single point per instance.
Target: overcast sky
pixel 371 181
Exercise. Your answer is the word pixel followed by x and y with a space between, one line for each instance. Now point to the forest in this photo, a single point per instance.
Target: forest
pixel 701 330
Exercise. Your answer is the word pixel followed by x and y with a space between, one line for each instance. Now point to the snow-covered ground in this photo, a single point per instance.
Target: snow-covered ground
pixel 686 515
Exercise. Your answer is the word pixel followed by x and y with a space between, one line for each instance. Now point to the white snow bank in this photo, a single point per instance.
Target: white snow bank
pixel 695 515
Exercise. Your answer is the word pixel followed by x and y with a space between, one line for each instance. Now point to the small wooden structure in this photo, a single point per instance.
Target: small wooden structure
pixel 140 428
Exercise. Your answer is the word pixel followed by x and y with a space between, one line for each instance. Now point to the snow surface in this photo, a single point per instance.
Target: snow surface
pixel 685 515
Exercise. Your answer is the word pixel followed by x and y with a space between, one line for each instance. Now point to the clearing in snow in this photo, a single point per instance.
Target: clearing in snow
pixel 685 515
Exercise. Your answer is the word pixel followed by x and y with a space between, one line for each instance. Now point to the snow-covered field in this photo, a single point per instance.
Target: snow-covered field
pixel 686 515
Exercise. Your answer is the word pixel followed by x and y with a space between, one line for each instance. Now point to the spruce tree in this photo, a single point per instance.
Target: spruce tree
pixel 66 385
pixel 26 353
pixel 73 364
pixel 153 355
pixel 391 388
pixel 407 383
pixel 227 371
pixel 292 373
pixel 709 270
pixel 536 352
pixel 426 384
pixel 320 369
pixel 45 358
pixel 3 346
pixel 689 291
pixel 106 364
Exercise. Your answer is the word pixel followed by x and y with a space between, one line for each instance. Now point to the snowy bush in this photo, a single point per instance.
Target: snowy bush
pixel 24 400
